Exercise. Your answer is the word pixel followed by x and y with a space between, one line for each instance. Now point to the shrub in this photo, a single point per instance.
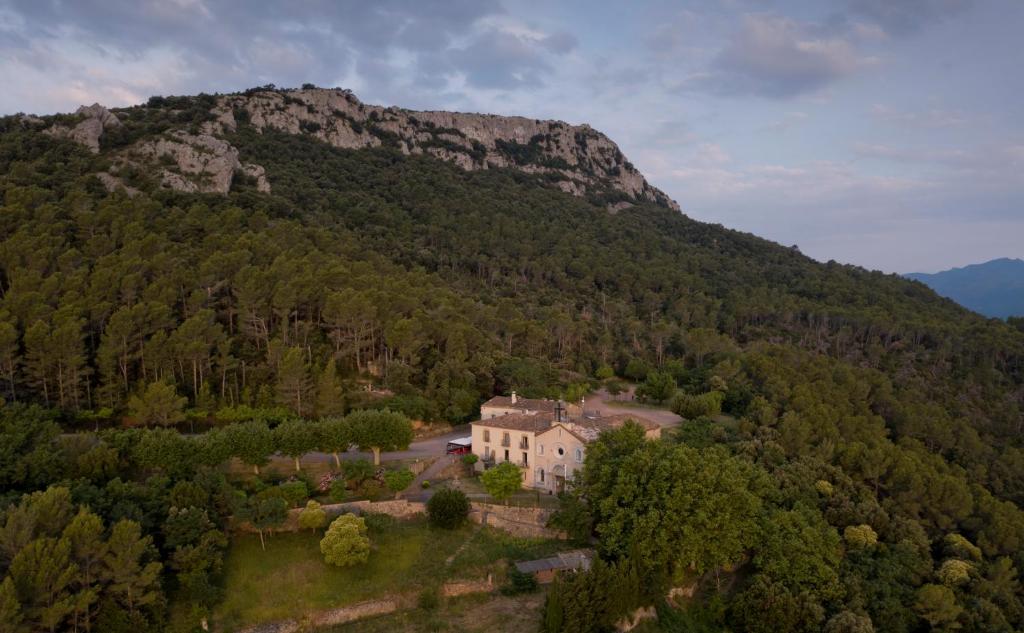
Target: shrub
pixel 313 516
pixel 705 404
pixel 429 599
pixel 470 458
pixel 398 480
pixel 357 471
pixel 448 508
pixel 371 489
pixel 346 542
pixel 339 490
pixel 294 492
pixel 425 484
pixel 378 522
pixel 519 582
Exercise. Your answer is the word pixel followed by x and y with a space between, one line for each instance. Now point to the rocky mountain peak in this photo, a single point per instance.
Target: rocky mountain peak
pixel 577 158
pixel 200 158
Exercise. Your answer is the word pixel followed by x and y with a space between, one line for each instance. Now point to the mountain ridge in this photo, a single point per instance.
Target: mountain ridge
pixel 994 288
pixel 191 154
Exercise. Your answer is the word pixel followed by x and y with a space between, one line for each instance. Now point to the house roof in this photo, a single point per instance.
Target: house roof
pixel 587 429
pixel 523 404
pixel 584 428
pixel 530 422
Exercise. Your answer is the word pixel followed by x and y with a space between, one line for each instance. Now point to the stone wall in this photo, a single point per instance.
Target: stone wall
pixel 328 617
pixel 522 522
pixel 461 588
pixel 398 508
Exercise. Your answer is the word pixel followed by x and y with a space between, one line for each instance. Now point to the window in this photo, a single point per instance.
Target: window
pixel 487 435
pixel 506 454
pixel 540 449
pixel 561 452
pixel 579 455
pixel 540 472
pixel 525 460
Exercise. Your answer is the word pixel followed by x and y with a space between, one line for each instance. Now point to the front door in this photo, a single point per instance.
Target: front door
pixel 559 483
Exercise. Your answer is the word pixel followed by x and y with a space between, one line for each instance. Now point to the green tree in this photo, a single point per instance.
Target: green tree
pixel 447 508
pixel 252 442
pixel 849 622
pixel 937 605
pixel 800 549
pixel 43 576
pixel 335 438
pixel 293 382
pixel 378 431
pixel 293 492
pixel 502 481
pixel 313 517
pixel 398 480
pixel 329 398
pixel 88 550
pixel 168 451
pixel 158 405
pixel 295 438
pixel 133 577
pixel 11 617
pixel 264 513
pixel 657 387
pixel 346 542
pixel 860 536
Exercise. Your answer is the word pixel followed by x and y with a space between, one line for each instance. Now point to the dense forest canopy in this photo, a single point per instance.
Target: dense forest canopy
pixel 862 399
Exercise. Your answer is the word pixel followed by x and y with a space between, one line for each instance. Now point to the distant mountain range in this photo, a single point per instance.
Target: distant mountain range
pixel 995 288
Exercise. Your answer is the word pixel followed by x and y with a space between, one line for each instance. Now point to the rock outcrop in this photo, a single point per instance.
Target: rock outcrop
pixel 89 130
pixel 198 163
pixel 573 158
pixel 576 158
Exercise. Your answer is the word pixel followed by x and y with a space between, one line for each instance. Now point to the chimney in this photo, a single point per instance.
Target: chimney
pixel 514 397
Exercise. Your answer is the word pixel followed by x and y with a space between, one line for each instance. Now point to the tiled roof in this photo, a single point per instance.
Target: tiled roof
pixel 523 404
pixel 530 422
pixel 587 429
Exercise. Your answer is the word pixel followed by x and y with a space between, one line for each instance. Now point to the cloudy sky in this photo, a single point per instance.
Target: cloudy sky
pixel 886 133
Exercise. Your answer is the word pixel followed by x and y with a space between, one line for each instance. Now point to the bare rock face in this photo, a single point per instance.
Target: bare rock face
pixel 198 163
pixel 89 130
pixel 582 158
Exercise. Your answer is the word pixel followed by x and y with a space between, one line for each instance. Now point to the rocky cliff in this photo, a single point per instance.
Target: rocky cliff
pixel 575 158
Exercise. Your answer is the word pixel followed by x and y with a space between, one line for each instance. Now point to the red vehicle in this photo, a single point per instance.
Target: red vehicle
pixel 460 446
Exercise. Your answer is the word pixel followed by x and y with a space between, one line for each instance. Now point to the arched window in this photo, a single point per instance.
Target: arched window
pixel 579 455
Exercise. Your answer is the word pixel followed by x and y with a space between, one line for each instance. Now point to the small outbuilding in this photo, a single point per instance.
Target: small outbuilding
pixel 545 569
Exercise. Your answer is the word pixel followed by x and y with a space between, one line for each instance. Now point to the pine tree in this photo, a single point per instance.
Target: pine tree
pixel 293 383
pixel 11 616
pixel 43 576
pixel 329 399
pixel 134 583
pixel 85 532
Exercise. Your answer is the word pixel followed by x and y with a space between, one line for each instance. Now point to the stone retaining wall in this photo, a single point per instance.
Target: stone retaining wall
pixel 461 588
pixel 522 522
pixel 329 617
pixel 398 508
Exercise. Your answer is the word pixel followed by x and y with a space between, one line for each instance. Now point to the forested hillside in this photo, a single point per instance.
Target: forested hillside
pixel 862 399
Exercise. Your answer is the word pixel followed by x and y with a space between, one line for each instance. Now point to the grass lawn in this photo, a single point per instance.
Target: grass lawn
pixel 290 578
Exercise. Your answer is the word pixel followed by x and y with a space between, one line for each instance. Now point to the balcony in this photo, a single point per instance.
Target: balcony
pixel 506 442
pixel 524 444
